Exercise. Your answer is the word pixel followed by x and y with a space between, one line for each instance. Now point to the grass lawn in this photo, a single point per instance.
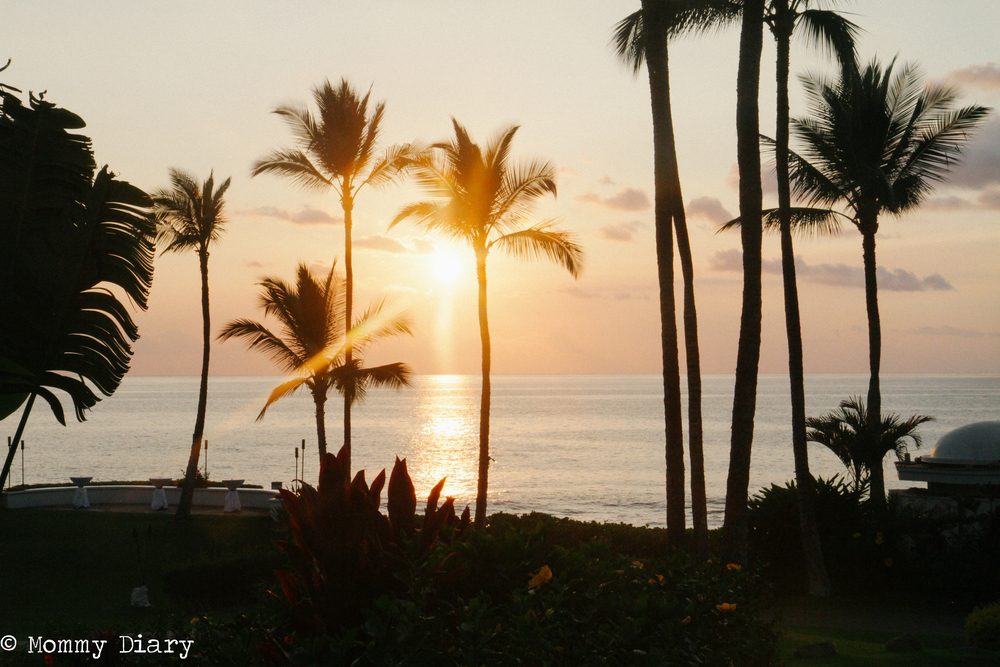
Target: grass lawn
pixel 67 568
pixel 866 648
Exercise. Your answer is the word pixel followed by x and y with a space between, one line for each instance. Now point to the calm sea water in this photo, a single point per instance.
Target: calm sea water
pixel 583 446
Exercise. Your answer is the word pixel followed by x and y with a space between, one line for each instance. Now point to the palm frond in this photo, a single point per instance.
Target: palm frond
pixel 559 246
pixel 831 31
pixel 279 392
pixel 65 329
pixel 295 165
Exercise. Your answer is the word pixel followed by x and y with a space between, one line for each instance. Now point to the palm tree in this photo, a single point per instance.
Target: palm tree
pixel 748 350
pixel 849 434
pixel 62 329
pixel 837 34
pixel 481 198
pixel 190 217
pixel 643 37
pixel 337 151
pixel 312 346
pixel 876 143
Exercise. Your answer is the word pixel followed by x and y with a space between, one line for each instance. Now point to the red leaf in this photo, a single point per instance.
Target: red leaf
pixel 432 499
pixel 401 499
pixel 375 492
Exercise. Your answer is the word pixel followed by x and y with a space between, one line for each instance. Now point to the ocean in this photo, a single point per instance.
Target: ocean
pixel 588 447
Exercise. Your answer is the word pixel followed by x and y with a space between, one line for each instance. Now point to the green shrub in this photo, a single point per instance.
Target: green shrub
pixel 855 553
pixel 982 627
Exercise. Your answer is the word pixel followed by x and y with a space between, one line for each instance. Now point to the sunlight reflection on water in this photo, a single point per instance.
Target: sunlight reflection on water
pixel 587 447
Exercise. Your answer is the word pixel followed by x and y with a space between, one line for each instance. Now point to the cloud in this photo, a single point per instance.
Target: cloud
pixel 410 245
pixel 628 199
pixel 950 203
pixel 303 216
pixel 952 331
pixel 605 180
pixel 623 231
pixel 726 260
pixel 710 209
pixel 769 180
pixel 838 275
pixel 980 161
pixel 985 76
pixel 574 291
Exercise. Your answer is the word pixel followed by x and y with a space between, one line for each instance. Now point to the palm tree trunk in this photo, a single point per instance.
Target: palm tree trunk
pixel 319 398
pixel 699 500
pixel 812 549
pixel 667 193
pixel 484 407
pixel 877 480
pixel 748 353
pixel 187 494
pixel 348 203
pixel 17 438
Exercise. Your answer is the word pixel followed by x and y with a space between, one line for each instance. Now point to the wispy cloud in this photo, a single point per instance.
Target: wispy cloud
pixel 627 199
pixel 985 76
pixel 409 245
pixel 769 180
pixel 710 209
pixel 980 162
pixel 952 331
pixel 605 180
pixel 838 275
pixel 623 231
pixel 302 216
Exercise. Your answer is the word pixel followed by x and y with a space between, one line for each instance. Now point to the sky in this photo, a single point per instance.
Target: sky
pixel 191 85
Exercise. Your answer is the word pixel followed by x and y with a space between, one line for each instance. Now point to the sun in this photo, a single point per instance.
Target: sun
pixel 446 266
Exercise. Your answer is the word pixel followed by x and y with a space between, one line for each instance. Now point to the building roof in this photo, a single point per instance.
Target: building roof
pixel 977 443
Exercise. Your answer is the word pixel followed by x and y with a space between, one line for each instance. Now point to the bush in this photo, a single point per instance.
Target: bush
pixel 982 627
pixel 855 553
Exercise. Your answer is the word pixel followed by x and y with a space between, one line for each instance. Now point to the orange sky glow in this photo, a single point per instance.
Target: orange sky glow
pixel 191 85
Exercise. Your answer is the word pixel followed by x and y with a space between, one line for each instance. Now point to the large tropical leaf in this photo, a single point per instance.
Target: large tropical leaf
pixel 71 247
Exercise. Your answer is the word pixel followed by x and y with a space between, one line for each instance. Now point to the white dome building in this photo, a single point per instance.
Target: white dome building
pixel 965 462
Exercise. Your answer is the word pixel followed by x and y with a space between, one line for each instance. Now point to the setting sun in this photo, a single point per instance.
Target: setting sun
pixel 446 266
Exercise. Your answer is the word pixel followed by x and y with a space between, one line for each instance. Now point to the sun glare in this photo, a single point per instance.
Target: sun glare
pixel 446 266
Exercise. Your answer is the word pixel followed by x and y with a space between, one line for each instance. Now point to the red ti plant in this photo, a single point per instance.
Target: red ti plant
pixel 346 553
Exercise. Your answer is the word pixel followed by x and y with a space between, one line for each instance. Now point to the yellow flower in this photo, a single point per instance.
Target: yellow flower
pixel 540 577
pixel 878 538
pixel 725 606
pixel 686 621
pixel 636 563
pixel 193 621
pixel 733 566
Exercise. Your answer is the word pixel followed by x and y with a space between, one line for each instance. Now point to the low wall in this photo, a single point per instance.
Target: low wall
pixel 130 495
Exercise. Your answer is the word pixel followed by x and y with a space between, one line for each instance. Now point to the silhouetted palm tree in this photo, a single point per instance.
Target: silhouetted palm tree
pixel 748 349
pixel 65 233
pixel 190 217
pixel 484 200
pixel 849 434
pixel 337 150
pixel 876 142
pixel 643 37
pixel 836 33
pixel 311 344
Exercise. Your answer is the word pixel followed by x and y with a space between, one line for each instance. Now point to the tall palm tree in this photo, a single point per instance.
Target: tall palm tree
pixel 337 151
pixel 836 33
pixel 849 434
pixel 481 198
pixel 643 37
pixel 748 350
pixel 190 217
pixel 876 143
pixel 311 345
pixel 62 330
